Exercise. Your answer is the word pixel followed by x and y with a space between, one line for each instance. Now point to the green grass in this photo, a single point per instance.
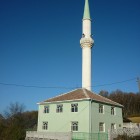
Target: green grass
pixel 135 119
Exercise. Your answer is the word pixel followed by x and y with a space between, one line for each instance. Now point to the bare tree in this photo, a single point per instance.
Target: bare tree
pixel 14 109
pixel 104 93
pixel 130 101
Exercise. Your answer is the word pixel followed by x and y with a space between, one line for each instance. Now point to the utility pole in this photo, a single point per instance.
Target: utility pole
pixel 138 81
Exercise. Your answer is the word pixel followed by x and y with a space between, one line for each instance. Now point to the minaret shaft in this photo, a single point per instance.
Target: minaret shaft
pixel 86 44
pixel 87 28
pixel 86 68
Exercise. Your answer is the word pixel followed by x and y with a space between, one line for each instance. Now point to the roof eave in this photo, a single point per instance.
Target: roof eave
pixel 119 105
pixel 83 99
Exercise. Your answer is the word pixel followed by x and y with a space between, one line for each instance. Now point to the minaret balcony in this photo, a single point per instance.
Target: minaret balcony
pixel 86 42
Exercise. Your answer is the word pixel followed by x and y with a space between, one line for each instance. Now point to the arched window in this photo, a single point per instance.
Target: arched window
pixel 45 126
pixel 74 126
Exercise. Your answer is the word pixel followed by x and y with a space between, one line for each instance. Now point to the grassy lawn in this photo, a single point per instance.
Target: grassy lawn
pixel 135 119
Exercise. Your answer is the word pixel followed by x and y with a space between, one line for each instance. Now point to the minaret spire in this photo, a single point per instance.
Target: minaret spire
pixel 86 10
pixel 86 44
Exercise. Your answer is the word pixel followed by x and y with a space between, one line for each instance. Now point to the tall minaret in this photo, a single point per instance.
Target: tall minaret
pixel 86 44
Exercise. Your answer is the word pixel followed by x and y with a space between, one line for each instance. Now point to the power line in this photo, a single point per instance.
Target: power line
pixel 124 81
pixel 32 86
pixel 58 87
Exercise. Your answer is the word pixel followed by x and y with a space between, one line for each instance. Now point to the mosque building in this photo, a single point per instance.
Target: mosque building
pixel 80 110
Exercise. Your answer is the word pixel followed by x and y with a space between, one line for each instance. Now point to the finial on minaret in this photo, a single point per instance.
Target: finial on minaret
pixel 86 44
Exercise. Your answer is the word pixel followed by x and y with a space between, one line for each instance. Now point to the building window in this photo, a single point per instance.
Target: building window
pixel 74 107
pixel 113 126
pixel 112 110
pixel 101 127
pixel 74 126
pixel 46 109
pixel 45 126
pixel 59 108
pixel 101 108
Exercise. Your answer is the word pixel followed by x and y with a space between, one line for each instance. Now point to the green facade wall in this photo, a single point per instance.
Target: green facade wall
pixel 105 117
pixel 61 122
pixel 88 117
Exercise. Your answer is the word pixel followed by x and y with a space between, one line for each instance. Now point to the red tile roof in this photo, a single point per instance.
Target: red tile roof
pixel 80 94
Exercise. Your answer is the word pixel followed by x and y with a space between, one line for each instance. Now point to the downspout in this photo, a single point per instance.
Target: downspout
pixel 90 116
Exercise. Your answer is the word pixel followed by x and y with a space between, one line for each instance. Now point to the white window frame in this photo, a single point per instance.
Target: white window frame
pixel 113 110
pixel 46 109
pixel 74 126
pixel 74 107
pixel 45 125
pixel 101 127
pixel 113 126
pixel 59 108
pixel 101 108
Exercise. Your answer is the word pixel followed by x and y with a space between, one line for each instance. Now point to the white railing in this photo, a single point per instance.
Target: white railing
pixel 49 135
pixel 35 135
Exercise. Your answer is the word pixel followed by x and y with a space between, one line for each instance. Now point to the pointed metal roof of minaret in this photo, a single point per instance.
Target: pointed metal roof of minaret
pixel 86 10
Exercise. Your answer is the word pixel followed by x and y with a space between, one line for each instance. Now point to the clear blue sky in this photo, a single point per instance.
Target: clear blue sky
pixel 39 46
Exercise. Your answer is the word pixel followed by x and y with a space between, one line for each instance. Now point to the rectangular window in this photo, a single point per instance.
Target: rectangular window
pixel 45 126
pixel 101 127
pixel 74 126
pixel 46 109
pixel 112 110
pixel 113 126
pixel 59 108
pixel 101 108
pixel 74 107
